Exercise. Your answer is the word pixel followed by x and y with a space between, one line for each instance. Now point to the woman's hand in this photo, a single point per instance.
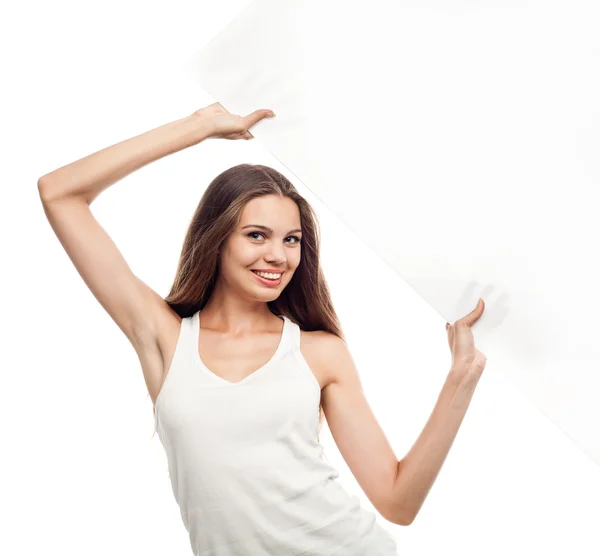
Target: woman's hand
pixel 220 123
pixel 467 362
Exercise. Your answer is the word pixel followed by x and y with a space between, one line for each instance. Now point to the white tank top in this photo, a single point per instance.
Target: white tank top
pixel 244 462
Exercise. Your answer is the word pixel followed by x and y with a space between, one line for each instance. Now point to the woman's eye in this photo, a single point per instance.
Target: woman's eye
pixel 251 234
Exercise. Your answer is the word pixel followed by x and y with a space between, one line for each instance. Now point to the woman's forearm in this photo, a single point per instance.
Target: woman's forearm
pixel 418 470
pixel 89 176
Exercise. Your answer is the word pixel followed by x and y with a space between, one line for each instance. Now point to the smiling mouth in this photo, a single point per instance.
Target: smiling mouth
pixel 277 274
pixel 267 280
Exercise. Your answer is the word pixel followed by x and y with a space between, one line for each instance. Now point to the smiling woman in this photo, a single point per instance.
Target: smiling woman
pixel 250 219
pixel 241 358
pixel 259 337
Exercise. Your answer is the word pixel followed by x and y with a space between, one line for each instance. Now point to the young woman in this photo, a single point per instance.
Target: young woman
pixel 244 355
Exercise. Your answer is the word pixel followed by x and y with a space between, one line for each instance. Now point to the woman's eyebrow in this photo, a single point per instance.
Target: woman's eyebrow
pixel 267 229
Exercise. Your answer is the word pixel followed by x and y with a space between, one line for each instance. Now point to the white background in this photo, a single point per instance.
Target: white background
pixel 80 471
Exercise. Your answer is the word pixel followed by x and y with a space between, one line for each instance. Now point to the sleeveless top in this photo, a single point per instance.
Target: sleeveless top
pixel 245 464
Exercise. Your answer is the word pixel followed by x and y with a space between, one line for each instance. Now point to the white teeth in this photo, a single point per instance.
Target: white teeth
pixel 268 275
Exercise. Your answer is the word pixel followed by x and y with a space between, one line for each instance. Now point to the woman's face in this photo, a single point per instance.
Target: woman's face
pixel 266 238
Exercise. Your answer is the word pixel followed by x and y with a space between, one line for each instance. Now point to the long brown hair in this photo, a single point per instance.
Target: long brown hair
pixel 305 300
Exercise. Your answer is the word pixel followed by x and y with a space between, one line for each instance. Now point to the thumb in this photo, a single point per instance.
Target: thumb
pixel 476 313
pixel 257 116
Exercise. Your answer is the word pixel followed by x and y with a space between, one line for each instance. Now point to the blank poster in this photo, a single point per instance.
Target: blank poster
pixel 461 140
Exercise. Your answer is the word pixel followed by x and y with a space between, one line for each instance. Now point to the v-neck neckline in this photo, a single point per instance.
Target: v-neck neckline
pixel 207 371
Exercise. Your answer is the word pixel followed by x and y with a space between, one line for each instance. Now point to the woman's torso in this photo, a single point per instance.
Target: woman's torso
pixel 245 464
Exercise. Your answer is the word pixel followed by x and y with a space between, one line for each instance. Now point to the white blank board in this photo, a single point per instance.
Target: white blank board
pixel 482 126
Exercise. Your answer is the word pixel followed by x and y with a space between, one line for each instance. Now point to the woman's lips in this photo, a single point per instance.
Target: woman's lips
pixel 266 281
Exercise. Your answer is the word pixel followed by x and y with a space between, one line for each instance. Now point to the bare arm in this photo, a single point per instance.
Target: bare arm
pixel 418 470
pixel 66 195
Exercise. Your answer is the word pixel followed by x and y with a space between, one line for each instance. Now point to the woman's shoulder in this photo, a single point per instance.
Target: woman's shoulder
pixel 321 350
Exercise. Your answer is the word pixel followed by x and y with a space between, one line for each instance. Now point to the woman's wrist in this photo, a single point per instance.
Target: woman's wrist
pixel 200 127
pixel 464 377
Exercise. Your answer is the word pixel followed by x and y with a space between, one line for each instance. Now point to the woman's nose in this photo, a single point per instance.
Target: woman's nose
pixel 276 257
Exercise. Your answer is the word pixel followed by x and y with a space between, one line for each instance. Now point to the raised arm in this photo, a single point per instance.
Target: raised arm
pixel 66 195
